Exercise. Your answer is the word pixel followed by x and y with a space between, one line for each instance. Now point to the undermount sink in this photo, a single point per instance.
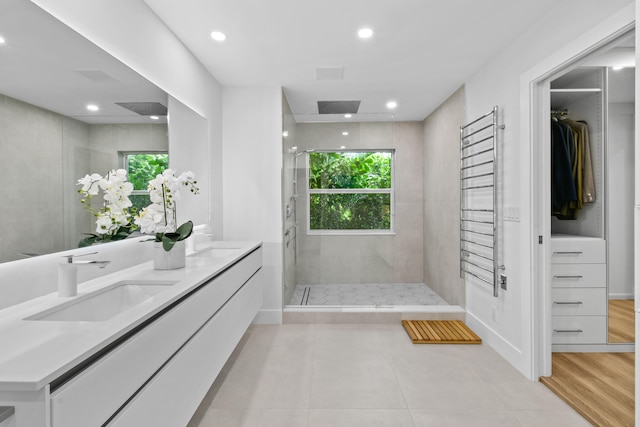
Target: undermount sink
pixel 218 252
pixel 105 303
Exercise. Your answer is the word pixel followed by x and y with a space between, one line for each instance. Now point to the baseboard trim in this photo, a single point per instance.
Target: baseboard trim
pixel 268 317
pixel 500 344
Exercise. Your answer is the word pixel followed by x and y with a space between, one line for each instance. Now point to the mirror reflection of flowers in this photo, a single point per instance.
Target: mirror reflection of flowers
pixel 159 217
pixel 113 218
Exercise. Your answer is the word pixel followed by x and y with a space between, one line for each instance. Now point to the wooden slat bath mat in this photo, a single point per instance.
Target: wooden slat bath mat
pixel 440 332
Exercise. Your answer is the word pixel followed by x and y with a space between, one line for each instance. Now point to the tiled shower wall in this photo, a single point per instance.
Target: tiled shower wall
pixel 442 199
pixel 394 258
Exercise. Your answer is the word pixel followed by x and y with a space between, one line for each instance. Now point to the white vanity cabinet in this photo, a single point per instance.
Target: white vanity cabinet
pixel 579 290
pixel 158 373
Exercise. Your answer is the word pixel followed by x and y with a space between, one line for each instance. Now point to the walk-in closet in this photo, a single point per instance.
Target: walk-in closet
pixel 592 192
pixel 592 232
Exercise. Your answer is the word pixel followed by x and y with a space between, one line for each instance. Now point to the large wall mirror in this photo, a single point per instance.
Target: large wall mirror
pixel 49 74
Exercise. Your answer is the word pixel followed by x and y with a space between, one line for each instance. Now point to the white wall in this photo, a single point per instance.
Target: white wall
pixel 252 159
pixel 505 322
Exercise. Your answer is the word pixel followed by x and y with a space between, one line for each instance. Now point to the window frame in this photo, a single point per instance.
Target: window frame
pixel 124 161
pixel 390 191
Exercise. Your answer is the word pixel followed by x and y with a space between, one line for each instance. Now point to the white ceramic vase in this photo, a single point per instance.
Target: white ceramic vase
pixel 169 260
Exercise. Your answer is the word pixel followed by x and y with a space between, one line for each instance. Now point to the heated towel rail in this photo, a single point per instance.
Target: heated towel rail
pixel 478 199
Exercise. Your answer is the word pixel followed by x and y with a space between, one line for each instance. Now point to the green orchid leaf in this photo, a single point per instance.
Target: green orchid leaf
pixel 185 230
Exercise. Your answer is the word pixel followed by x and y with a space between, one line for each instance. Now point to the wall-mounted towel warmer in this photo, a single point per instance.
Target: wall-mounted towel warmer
pixel 478 199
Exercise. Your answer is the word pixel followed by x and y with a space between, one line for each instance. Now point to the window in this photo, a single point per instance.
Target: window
pixel 142 167
pixel 350 192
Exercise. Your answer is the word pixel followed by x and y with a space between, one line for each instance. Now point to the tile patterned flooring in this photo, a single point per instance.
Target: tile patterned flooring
pixel 351 375
pixel 374 294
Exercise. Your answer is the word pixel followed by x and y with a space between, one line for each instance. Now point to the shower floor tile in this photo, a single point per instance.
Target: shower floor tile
pixel 375 294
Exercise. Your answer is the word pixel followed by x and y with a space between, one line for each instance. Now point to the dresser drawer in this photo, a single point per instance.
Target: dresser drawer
pixel 578 275
pixel 579 330
pixel 572 251
pixel 579 301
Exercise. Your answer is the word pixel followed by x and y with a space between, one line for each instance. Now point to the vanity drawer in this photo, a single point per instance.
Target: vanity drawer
pixel 572 251
pixel 578 275
pixel 90 398
pixel 579 330
pixel 579 301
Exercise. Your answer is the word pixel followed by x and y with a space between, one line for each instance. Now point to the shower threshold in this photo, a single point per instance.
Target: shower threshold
pixel 370 314
pixel 368 303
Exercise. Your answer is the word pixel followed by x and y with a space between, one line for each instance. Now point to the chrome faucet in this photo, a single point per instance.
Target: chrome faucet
pixel 68 273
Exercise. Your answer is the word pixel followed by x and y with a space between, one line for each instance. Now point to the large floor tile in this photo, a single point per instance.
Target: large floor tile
pixel 360 418
pixel 423 418
pixel 551 418
pixel 270 376
pixel 251 418
pixel 352 370
pixel 371 375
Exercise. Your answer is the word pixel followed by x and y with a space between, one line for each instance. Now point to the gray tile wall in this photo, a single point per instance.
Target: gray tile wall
pixel 442 199
pixel 373 258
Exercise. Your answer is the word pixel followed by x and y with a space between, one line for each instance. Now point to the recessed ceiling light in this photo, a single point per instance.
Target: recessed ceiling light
pixel 617 68
pixel 218 36
pixel 285 133
pixel 347 116
pixel 345 133
pixel 92 107
pixel 154 117
pixel 365 33
pixel 342 147
pixel 2 40
pixel 392 104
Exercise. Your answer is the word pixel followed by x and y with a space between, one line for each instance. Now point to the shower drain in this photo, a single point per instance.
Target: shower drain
pixel 305 295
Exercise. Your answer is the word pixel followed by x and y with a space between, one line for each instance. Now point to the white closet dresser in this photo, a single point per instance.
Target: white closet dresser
pixel 579 290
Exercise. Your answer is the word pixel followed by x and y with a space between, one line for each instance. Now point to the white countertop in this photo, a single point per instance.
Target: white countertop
pixel 35 352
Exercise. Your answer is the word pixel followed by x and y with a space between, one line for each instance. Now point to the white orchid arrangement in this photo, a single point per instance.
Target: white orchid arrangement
pixel 113 218
pixel 159 217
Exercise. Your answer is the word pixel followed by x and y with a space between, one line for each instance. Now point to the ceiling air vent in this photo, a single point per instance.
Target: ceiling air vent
pixel 338 107
pixel 329 73
pixel 145 108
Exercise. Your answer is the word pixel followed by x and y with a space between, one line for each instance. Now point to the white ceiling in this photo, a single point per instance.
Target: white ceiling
pixel 421 51
pixel 45 63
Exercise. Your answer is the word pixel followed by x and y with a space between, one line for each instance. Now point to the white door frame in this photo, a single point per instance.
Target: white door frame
pixel 535 177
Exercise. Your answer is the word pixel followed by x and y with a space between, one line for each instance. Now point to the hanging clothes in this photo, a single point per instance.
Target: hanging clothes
pixel 563 189
pixel 572 182
pixel 588 182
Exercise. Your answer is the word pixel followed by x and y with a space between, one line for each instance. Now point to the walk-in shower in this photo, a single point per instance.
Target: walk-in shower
pixel 376 268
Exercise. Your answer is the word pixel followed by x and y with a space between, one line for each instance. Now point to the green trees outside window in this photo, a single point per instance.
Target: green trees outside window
pixel 350 190
pixel 141 168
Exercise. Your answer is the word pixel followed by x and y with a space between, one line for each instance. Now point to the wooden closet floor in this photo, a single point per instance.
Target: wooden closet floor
pixel 600 386
pixel 621 321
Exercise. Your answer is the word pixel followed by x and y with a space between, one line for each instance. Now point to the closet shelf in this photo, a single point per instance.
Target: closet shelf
pixel 580 90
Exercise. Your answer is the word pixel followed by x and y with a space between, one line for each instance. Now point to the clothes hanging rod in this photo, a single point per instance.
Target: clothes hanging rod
pixel 478 266
pixel 471 144
pixel 478 119
pixel 476 243
pixel 477 176
pixel 478 255
pixel 475 165
pixel 477 277
pixel 488 150
pixel 562 112
pixel 477 131
pixel 475 187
